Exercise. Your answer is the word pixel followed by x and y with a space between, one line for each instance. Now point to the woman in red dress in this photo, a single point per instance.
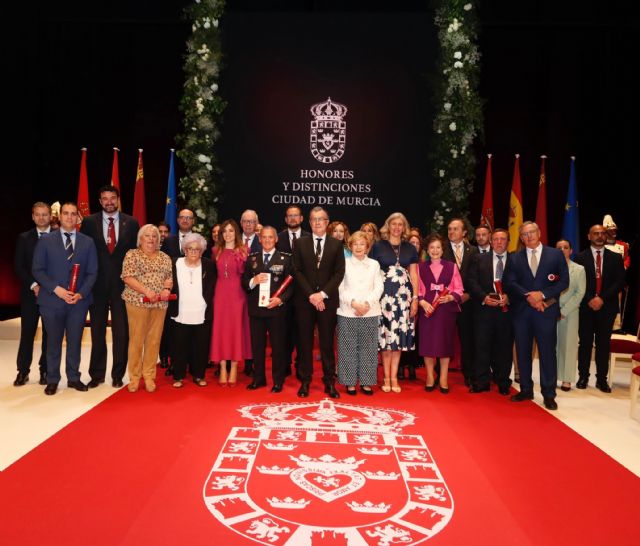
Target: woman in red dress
pixel 230 334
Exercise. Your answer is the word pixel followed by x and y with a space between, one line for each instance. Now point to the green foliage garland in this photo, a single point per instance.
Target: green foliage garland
pixel 202 108
pixel 458 119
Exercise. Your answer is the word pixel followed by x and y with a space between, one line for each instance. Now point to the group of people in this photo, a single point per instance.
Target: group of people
pixel 384 295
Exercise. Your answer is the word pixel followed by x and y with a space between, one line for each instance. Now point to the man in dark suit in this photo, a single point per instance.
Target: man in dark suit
pixel 64 311
pixel 534 278
pixel 483 239
pixel 318 263
pixel 250 236
pixel 270 267
pixel 172 244
pixel 493 331
pixel 29 289
pixel 286 242
pixel 604 270
pixel 462 253
pixel 114 234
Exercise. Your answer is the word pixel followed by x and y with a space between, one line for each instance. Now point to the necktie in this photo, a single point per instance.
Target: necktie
pixel 266 259
pixel 68 245
pixel 246 242
pixel 499 268
pixel 294 238
pixel 598 273
pixel 318 250
pixel 40 234
pixel 534 262
pixel 458 253
pixel 111 236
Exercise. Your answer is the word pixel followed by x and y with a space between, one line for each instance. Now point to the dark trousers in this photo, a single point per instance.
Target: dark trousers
pixel 99 313
pixel 291 341
pixel 59 322
pixel 465 333
pixel 595 326
pixel 494 347
pixel 308 317
pixel 527 326
pixel 29 316
pixel 190 346
pixel 165 340
pixel 275 326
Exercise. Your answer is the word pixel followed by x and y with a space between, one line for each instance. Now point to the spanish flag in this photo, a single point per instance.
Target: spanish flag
pixel 515 208
pixel 139 202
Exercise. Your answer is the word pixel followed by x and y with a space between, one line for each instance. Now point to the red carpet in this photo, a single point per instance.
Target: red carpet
pixel 134 469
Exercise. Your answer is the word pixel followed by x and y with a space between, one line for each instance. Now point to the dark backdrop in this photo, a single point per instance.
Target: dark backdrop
pixel 556 78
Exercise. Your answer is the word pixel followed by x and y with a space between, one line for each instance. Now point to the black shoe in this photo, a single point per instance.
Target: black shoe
pixel 550 404
pixel 248 368
pixel 164 362
pixel 276 388
pixel 117 383
pixel 253 386
pixel 51 388
pixel 582 383
pixel 522 396
pixel 21 379
pixel 504 391
pixel 565 388
pixel 444 390
pixel 303 391
pixel 43 378
pixel 366 390
pixel 603 386
pixel 412 373
pixel 331 391
pixel 95 383
pixel 429 388
pixel 476 389
pixel 169 371
pixel 77 385
pixel 401 372
pixel 351 390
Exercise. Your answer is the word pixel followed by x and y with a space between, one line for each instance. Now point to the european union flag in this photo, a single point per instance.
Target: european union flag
pixel 171 208
pixel 570 225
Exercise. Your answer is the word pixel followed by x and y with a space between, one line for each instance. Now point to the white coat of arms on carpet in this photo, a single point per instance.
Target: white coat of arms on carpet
pixel 328 136
pixel 327 473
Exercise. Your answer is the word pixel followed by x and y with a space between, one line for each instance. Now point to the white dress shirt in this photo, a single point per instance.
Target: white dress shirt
pixel 363 283
pixel 105 225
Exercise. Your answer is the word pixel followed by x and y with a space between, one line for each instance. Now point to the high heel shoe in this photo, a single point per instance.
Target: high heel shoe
pixel 386 386
pixel 429 388
pixel 396 387
pixel 444 390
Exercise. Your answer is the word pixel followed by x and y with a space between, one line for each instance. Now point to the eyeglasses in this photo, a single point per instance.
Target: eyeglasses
pixel 294 215
pixel 248 221
pixel 189 249
pixel 529 233
pixel 185 217
pixel 318 220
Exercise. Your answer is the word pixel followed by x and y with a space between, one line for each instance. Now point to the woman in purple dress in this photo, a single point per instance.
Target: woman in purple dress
pixel 230 338
pixel 437 325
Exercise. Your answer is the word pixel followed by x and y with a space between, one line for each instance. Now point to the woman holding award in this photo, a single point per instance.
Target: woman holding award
pixel 192 311
pixel 230 338
pixel 439 298
pixel 146 272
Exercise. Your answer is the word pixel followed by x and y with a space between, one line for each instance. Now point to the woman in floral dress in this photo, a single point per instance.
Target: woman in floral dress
pixel 398 261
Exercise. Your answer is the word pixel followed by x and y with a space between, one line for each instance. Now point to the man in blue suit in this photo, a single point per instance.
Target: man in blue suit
pixel 534 278
pixel 64 311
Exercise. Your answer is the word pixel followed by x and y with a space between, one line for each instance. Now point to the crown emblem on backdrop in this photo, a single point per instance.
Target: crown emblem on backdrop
pixel 329 111
pixel 276 470
pixel 328 417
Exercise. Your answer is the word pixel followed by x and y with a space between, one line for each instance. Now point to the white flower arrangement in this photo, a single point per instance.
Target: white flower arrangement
pixel 458 119
pixel 202 108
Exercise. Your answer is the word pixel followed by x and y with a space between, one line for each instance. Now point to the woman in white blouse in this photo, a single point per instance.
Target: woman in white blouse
pixel 358 317
pixel 192 312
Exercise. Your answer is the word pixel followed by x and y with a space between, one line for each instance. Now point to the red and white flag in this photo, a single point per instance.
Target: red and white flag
pixel 83 188
pixel 486 216
pixel 541 205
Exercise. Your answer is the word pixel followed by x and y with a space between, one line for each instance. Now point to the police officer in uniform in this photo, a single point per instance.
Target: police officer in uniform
pixel 268 269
